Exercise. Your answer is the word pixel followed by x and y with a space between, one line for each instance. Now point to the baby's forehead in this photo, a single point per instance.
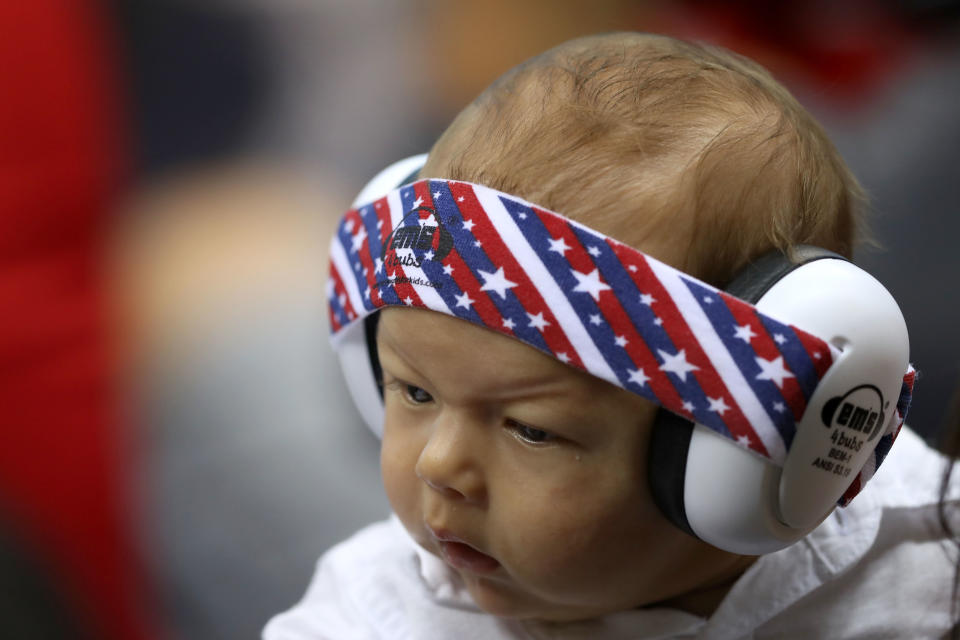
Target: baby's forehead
pixel 447 348
pixel 468 366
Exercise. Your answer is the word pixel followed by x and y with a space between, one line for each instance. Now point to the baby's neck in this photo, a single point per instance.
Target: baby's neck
pixel 704 600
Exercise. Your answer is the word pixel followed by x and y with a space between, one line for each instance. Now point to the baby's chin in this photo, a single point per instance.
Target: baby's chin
pixel 507 601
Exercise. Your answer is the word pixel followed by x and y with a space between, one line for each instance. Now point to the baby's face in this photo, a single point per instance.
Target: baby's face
pixel 526 476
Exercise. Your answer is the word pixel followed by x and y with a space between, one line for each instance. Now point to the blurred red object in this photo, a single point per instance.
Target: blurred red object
pixel 845 51
pixel 64 484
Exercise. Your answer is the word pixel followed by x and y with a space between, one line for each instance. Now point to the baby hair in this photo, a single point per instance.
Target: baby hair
pixel 689 152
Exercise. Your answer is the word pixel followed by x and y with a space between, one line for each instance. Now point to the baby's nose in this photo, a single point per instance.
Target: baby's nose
pixel 451 463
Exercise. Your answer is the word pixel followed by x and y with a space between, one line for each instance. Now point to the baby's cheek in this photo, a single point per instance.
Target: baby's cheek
pixel 399 476
pixel 572 534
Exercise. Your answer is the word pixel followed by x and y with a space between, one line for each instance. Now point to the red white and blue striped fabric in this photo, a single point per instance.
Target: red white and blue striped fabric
pixel 588 300
pixel 886 440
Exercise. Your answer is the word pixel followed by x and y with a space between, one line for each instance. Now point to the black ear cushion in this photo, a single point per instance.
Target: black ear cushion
pixel 670 438
pixel 667 466
pixel 410 178
pixel 370 333
pixel 757 277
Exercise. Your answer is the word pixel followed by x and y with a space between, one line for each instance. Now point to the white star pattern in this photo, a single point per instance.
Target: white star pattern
pixel 593 283
pixel 342 299
pixel 379 224
pixel 377 205
pixel 744 332
pixel 677 363
pixel 436 195
pixel 418 202
pixel 496 281
pixel 523 216
pixel 358 239
pixel 773 370
pixel 590 283
pixel 717 405
pixel 638 377
pixel 559 245
pixel 538 321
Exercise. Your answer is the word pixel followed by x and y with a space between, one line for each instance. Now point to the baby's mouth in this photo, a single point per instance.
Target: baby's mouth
pixel 461 555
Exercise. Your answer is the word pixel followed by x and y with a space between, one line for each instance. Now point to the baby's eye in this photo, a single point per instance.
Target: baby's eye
pixel 416 394
pixel 528 433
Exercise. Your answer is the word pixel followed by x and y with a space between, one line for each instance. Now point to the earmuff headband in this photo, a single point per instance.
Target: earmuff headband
pixel 590 301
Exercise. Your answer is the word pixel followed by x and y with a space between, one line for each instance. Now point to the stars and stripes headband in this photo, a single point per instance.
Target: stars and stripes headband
pixel 591 302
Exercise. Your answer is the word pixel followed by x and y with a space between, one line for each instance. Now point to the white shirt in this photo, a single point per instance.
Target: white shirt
pixel 881 568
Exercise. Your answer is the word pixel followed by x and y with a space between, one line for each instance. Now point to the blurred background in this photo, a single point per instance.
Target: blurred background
pixel 178 448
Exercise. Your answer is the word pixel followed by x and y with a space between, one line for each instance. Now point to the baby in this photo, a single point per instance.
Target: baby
pixel 517 469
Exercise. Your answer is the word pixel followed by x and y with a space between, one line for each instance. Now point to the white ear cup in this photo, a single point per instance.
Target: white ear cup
pixel 354 354
pixel 389 179
pixel 738 501
pixel 351 344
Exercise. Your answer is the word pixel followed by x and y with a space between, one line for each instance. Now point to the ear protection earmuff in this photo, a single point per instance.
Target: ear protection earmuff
pixel 357 351
pixel 741 502
pixel 703 482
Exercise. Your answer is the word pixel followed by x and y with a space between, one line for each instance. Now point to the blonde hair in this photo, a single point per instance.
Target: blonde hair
pixel 687 151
